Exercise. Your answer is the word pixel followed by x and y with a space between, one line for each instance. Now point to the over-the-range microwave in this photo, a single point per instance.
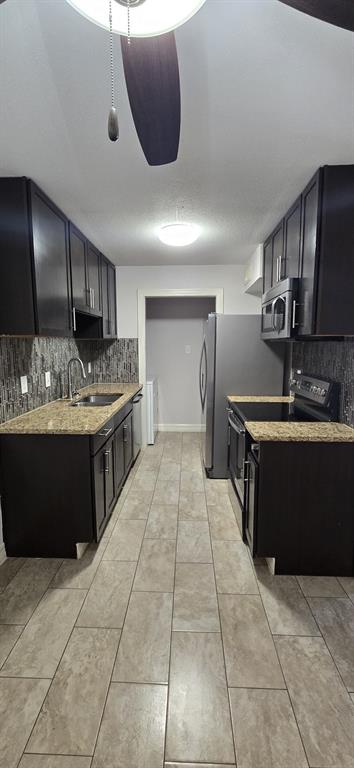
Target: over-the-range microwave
pixel 279 306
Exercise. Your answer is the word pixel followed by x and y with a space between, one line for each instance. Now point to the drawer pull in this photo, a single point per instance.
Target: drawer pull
pixel 105 432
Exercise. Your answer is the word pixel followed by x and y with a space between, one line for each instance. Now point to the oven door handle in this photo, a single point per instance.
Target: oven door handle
pixel 237 428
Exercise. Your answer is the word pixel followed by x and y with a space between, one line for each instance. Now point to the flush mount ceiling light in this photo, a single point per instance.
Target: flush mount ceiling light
pixel 179 234
pixel 148 17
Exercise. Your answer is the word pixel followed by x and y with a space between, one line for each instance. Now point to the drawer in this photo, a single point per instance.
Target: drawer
pixel 99 439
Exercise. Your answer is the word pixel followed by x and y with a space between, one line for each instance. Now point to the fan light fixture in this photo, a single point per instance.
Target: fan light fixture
pixel 179 234
pixel 148 17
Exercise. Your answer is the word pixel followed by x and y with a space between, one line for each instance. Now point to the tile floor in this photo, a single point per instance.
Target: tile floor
pixel 164 647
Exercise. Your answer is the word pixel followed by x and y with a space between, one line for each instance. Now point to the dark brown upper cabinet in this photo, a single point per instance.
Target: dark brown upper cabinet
pixel 267 264
pixel 78 269
pixel 94 279
pixel 292 242
pixel 85 273
pixel 326 306
pixel 109 302
pixel 278 251
pixel 34 264
pixel 318 247
pixel 272 257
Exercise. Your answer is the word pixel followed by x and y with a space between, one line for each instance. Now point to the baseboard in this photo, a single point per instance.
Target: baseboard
pixel 2 554
pixel 181 427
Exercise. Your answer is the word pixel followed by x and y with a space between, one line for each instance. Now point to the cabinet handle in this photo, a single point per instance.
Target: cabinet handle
pixel 105 432
pixel 294 323
pixel 106 461
pixel 245 473
pixel 125 432
pixel 74 319
pixel 93 298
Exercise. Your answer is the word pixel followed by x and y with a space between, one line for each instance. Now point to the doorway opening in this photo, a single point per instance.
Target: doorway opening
pixel 171 326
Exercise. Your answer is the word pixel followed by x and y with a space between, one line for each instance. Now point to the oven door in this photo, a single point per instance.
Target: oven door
pixel 237 455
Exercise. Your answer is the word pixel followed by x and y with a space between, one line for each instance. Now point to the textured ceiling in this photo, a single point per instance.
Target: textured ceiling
pixel 267 96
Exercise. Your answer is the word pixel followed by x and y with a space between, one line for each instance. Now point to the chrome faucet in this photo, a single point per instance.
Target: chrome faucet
pixel 71 393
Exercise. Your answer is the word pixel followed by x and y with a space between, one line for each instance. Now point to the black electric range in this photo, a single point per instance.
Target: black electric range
pixel 314 400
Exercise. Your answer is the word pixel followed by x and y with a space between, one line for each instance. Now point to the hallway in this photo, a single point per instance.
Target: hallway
pixel 165 647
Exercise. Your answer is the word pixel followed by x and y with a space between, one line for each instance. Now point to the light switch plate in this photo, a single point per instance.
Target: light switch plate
pixel 89 368
pixel 188 349
pixel 24 385
pixel 47 378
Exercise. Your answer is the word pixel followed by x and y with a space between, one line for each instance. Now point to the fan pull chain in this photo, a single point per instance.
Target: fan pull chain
pixel 113 127
pixel 128 10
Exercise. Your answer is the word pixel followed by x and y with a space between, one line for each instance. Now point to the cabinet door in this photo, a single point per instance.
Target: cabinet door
pixel 112 301
pixel 277 251
pixel 128 442
pixel 50 255
pixel 94 279
pixel 310 211
pixel 119 457
pixel 109 461
pixel 251 504
pixel 105 299
pixel 78 269
pixel 290 264
pixel 99 485
pixel 267 265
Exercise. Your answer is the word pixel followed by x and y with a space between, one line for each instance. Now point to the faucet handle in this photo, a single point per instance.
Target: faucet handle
pixel 76 392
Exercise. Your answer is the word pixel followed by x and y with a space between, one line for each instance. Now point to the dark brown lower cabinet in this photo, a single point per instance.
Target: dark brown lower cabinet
pixel 104 485
pixel 299 507
pixel 60 490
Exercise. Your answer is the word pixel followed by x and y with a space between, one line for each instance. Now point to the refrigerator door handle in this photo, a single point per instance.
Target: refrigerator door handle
pixel 202 378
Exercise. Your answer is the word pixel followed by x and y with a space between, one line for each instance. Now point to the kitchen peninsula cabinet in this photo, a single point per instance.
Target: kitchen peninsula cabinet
pixel 299 506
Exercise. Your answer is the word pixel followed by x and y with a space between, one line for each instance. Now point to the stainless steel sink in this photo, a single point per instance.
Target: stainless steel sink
pixel 96 400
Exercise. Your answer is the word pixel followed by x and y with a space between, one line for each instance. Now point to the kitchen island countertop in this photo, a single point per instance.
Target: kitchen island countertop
pixel 300 431
pixel 260 399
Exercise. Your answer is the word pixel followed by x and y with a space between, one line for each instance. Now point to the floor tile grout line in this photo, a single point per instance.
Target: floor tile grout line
pixel 172 617
pixel 120 638
pixel 69 638
pixel 325 641
pixel 223 650
pixel 283 673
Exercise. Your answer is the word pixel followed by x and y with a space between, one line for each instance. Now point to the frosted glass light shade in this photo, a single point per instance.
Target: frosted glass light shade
pixel 179 234
pixel 152 17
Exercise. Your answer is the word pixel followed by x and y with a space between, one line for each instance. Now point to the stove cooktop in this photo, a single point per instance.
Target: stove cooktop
pixel 272 412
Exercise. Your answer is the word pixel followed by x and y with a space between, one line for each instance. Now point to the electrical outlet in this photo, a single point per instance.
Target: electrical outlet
pixel 24 385
pixel 188 349
pixel 47 378
pixel 89 368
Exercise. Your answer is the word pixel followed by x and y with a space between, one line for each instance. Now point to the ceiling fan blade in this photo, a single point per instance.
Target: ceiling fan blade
pixel 337 12
pixel 152 78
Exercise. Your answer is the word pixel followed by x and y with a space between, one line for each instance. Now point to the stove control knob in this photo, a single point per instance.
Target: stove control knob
pixel 323 392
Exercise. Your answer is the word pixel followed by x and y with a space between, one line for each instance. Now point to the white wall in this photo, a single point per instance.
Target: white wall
pixel 130 279
pixel 172 324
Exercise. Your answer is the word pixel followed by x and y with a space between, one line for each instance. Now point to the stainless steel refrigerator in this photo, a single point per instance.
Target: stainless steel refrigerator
pixel 234 360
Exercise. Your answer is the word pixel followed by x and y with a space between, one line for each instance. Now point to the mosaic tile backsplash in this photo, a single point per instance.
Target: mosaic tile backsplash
pixel 333 360
pixel 32 357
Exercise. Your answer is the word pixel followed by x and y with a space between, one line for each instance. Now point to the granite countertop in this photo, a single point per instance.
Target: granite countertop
pixel 294 431
pixel 260 399
pixel 60 418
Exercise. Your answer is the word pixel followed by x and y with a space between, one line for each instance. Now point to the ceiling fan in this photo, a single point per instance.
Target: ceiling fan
pixel 337 12
pixel 150 64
